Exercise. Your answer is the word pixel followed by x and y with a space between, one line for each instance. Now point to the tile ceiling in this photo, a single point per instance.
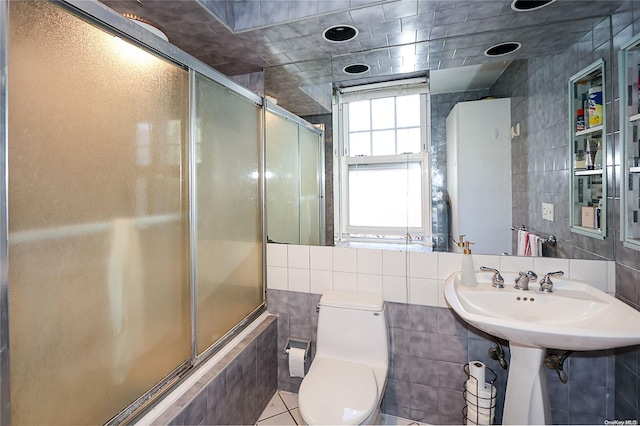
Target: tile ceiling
pixel 397 39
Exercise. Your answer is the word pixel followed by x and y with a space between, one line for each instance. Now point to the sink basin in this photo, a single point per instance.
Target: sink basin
pixel 576 316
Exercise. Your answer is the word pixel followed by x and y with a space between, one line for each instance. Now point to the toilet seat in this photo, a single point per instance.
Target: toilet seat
pixel 337 392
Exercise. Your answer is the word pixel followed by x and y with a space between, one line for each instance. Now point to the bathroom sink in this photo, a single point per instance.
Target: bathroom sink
pixel 576 316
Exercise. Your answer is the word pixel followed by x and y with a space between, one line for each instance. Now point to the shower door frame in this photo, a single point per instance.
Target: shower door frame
pixel 5 406
pixel 103 17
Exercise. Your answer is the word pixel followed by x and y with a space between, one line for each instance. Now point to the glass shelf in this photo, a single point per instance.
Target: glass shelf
pixel 629 68
pixel 590 131
pixel 587 152
pixel 587 172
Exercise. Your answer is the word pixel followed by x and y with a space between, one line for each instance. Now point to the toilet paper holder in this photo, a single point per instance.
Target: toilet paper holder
pixel 300 343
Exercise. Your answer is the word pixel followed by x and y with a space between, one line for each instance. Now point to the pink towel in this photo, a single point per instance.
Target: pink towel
pixel 522 242
pixel 529 244
pixel 535 245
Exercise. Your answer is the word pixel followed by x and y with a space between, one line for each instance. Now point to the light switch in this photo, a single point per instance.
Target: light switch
pixel 547 211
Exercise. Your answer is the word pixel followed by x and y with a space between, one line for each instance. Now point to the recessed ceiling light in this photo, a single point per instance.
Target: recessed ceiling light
pixel 527 5
pixel 146 24
pixel 356 69
pixel 502 49
pixel 340 33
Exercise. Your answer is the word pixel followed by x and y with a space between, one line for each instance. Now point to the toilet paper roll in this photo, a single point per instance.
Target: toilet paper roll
pixel 477 371
pixel 296 362
pixel 483 399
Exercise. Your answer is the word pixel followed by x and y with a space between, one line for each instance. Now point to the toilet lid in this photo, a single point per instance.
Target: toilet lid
pixel 337 392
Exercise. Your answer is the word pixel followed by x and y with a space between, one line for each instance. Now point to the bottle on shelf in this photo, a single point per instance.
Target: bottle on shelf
pixel 593 146
pixel 580 120
pixel 595 106
pixel 579 162
pixel 585 109
pixel 597 161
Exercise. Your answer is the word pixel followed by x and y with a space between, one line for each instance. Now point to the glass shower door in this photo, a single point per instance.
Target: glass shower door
pixel 99 294
pixel 228 209
pixel 283 180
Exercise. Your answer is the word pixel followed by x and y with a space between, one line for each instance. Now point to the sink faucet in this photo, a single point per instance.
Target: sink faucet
pixel 522 282
pixel 545 283
pixel 497 280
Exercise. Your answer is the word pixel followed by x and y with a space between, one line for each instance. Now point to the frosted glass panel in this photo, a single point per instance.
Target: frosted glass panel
pixel 229 229
pixel 99 302
pixel 283 180
pixel 309 187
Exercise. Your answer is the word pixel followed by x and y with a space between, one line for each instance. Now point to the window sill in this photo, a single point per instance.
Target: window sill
pixel 381 245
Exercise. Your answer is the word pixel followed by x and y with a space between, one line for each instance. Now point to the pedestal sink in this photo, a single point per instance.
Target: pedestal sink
pixel 576 316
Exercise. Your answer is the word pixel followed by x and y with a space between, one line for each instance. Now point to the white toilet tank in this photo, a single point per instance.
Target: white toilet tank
pixel 353 327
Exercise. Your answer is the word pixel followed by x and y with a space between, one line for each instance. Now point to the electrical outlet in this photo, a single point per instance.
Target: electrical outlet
pixel 547 211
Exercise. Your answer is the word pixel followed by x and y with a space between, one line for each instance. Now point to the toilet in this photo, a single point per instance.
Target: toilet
pixel 348 375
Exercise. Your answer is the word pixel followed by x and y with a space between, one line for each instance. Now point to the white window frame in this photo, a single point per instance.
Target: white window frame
pixel 342 163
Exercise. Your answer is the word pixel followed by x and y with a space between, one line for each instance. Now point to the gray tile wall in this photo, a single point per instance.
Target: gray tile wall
pixel 430 346
pixel 246 14
pixel 625 25
pixel 253 81
pixel 297 317
pixel 237 389
pixel 538 88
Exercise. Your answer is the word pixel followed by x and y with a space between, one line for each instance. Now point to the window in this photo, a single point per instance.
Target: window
pixel 383 169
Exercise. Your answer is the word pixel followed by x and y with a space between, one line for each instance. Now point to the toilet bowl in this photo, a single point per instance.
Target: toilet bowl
pixel 348 376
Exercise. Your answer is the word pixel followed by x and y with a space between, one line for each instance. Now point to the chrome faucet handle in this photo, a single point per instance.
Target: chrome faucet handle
pixel 497 280
pixel 546 284
pixel 522 282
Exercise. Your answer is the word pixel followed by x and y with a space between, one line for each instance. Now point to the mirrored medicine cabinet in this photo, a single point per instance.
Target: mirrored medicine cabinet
pixel 629 77
pixel 587 130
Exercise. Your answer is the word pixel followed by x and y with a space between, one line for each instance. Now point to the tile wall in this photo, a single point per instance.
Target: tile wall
pixel 538 89
pixel 540 166
pixel 624 25
pixel 429 343
pixel 236 389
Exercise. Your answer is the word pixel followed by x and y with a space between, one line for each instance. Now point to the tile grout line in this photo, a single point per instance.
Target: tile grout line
pixel 277 414
pixel 295 422
pixel 287 407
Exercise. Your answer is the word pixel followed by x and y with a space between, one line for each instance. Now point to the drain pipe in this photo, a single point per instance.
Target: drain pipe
pixel 497 352
pixel 555 362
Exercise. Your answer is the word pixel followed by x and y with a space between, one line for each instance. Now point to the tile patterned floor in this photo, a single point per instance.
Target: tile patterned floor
pixel 283 410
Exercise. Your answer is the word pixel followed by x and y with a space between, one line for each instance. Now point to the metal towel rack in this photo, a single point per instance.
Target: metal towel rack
pixel 551 239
